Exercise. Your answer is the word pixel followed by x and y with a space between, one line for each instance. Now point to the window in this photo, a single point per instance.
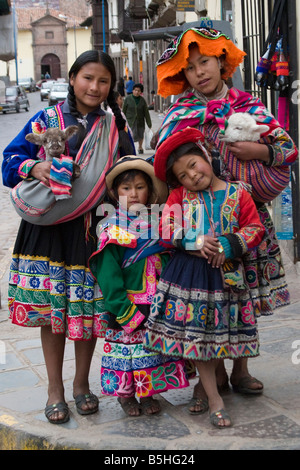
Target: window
pixel 49 34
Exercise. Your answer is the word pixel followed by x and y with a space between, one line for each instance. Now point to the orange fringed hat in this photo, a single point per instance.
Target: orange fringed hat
pixel 170 76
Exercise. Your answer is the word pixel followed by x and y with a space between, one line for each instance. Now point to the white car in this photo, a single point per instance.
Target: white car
pixel 58 93
pixel 45 89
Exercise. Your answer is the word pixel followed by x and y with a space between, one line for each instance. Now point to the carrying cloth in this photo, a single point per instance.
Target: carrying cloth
pixel 211 119
pixel 36 203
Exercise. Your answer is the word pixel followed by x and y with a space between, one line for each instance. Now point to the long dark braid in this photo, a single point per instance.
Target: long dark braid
pixel 74 111
pixel 100 57
pixel 124 142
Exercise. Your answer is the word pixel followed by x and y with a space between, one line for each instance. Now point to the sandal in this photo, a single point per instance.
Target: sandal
pixel 130 404
pixel 202 402
pixel 243 386
pixel 85 399
pixel 217 416
pixel 224 387
pixel 61 407
pixel 148 403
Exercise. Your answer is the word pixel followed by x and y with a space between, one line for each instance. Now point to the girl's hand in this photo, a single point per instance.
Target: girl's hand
pixel 217 260
pixel 249 151
pixel 41 171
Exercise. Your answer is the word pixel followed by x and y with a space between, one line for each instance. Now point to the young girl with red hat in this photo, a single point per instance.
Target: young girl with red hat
pixel 202 310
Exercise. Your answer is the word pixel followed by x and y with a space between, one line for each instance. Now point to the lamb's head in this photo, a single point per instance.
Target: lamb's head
pixel 53 140
pixel 243 127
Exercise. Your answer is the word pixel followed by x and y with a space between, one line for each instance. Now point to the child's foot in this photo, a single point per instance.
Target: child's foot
pixel 56 409
pixel 86 403
pixel 130 406
pixel 220 419
pixel 198 403
pixel 150 406
pixel 218 416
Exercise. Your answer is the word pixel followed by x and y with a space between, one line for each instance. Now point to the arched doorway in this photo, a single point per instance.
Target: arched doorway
pixel 50 63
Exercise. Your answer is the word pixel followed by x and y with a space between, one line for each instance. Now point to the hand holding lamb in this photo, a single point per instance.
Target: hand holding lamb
pixel 54 141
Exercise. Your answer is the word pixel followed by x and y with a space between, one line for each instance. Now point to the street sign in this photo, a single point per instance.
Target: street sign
pixel 124 52
pixel 185 5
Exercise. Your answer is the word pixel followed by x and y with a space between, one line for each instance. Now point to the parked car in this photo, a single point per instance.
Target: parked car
pixel 58 92
pixel 15 99
pixel 27 83
pixel 45 89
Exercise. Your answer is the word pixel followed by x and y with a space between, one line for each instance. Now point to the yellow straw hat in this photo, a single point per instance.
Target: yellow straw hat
pixel 131 162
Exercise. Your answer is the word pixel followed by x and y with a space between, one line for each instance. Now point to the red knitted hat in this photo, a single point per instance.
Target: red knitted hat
pixel 189 134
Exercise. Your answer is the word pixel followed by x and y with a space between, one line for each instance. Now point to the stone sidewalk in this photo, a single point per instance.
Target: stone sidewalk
pixel 270 421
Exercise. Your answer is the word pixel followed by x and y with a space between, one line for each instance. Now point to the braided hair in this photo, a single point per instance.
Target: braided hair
pixel 100 57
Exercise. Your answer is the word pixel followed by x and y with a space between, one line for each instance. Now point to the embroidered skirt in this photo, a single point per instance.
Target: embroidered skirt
pixel 265 271
pixel 50 283
pixel 128 369
pixel 194 317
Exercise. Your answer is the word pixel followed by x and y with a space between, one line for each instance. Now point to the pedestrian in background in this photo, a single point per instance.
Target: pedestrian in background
pixel 137 113
pixel 121 86
pixel 129 86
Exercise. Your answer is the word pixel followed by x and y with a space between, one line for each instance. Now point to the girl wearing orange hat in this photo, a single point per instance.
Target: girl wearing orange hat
pixel 197 64
pixel 202 309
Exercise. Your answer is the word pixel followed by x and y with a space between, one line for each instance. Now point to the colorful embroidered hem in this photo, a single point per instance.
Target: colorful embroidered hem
pixel 128 369
pixel 194 317
pixel 43 293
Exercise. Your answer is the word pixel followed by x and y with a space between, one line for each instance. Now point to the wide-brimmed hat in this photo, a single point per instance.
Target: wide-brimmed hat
pixel 132 162
pixel 187 135
pixel 170 77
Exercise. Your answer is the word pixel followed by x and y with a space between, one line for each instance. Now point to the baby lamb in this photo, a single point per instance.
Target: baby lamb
pixel 54 141
pixel 242 127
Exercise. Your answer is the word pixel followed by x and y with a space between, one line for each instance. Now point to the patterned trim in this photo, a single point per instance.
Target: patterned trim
pixel 26 167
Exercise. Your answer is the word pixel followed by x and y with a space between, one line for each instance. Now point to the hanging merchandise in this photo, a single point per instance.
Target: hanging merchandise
pixel 272 70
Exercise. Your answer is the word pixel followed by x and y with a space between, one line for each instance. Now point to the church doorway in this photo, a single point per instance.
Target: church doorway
pixel 50 65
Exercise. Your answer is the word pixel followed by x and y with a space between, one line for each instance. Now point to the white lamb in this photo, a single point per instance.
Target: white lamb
pixel 242 127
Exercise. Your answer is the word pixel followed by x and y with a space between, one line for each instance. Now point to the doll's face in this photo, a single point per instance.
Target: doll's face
pixel 193 172
pixel 135 191
pixel 203 73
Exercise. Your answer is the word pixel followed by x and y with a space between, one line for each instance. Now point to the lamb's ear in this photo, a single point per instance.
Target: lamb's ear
pixel 69 131
pixel 261 129
pixel 34 138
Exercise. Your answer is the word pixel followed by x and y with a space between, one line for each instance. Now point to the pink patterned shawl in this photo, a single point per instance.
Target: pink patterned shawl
pixel 211 119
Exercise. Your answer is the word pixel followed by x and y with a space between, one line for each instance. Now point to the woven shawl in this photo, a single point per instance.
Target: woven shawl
pixel 37 204
pixel 211 119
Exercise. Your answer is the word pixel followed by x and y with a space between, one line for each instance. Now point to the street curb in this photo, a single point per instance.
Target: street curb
pixel 13 439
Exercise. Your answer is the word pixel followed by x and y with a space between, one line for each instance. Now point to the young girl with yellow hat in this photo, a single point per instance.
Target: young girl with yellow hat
pixel 127 265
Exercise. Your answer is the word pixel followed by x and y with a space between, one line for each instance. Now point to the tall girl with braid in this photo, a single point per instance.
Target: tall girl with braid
pixel 50 285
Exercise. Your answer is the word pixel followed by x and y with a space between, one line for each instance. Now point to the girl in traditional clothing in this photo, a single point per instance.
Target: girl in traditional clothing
pixel 50 285
pixel 127 265
pixel 198 66
pixel 203 310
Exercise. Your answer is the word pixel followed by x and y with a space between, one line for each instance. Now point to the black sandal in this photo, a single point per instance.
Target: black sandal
pixel 148 403
pixel 61 407
pixel 85 399
pixel 131 403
